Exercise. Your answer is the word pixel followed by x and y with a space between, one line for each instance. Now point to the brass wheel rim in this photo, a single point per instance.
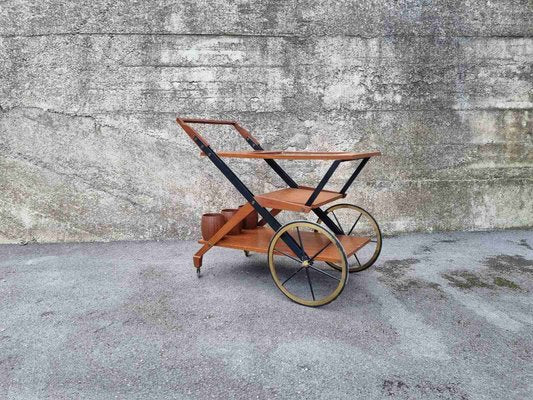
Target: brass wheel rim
pixel 379 240
pixel 342 267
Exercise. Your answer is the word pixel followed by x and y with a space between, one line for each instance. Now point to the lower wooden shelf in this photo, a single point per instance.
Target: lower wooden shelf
pixel 257 240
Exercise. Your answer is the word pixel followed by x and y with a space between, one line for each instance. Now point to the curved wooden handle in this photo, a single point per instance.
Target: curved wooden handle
pixel 208 121
pixel 183 122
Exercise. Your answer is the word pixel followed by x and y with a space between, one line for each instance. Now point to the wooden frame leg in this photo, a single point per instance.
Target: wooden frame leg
pixel 197 260
pixel 240 215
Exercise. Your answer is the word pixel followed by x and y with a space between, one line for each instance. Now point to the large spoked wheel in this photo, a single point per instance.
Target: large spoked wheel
pixel 310 281
pixel 355 221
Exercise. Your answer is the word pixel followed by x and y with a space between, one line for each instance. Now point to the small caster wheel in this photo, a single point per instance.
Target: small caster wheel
pixel 198 272
pixel 246 253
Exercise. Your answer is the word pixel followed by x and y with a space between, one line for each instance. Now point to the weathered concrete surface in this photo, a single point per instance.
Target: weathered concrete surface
pixel 433 320
pixel 89 91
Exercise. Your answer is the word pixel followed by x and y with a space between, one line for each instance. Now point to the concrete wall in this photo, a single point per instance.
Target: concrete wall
pixel 89 92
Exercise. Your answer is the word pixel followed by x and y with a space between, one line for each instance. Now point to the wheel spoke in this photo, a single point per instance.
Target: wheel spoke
pixel 358 262
pixel 300 239
pixel 310 284
pixel 286 255
pixel 355 223
pixel 320 251
pixel 373 241
pixel 325 273
pixel 286 280
pixel 288 277
pixel 336 219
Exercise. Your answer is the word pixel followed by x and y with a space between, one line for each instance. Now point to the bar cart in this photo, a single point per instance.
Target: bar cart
pixel 309 261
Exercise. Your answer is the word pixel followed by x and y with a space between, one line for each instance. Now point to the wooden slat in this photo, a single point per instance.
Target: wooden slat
pixel 294 199
pixel 257 240
pixel 297 155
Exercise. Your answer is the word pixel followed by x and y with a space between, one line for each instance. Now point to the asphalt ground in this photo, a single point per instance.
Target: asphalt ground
pixel 440 316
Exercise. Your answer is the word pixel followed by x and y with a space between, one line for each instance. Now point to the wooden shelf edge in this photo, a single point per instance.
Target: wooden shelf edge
pixel 276 199
pixel 257 241
pixel 282 204
pixel 297 155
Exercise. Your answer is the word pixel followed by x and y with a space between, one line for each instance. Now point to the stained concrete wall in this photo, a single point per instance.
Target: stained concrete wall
pixel 89 92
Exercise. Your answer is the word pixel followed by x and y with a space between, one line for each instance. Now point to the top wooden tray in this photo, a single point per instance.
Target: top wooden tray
pixel 297 155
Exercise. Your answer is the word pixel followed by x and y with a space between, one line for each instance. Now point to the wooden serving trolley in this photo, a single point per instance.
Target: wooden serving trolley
pixel 309 261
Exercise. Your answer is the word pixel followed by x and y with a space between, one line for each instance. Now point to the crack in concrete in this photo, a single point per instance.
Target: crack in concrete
pixel 97 124
pixel 81 178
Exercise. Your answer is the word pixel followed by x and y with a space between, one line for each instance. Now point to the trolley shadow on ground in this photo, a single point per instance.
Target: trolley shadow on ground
pixel 253 272
pixel 432 319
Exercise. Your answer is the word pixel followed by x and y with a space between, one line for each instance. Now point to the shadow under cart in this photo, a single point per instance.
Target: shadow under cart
pixel 309 261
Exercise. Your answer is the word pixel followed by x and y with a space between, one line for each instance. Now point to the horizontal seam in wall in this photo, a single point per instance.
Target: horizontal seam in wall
pixel 82 180
pixel 252 35
pixel 90 114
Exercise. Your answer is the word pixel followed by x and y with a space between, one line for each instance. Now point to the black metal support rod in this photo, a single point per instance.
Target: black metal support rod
pixel 248 195
pixel 354 175
pixel 322 183
pixel 274 165
pixel 289 181
pixel 328 221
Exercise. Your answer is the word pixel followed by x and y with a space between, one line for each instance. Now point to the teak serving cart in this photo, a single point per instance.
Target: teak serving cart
pixel 309 261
